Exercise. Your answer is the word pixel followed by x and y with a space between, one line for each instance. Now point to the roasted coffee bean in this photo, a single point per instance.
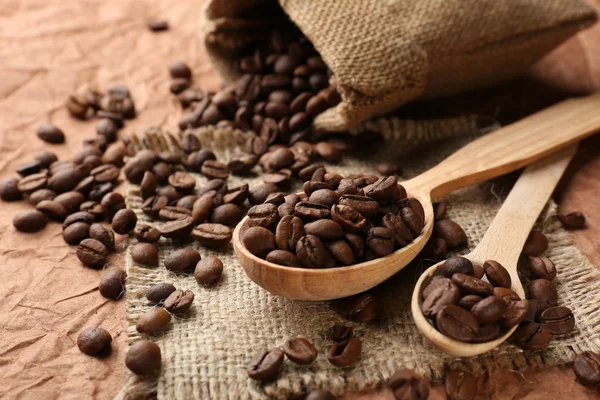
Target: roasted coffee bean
pixel 341 251
pixel 497 275
pixel 114 154
pixel 236 195
pixel 536 244
pixel 242 163
pixel 386 189
pixel 146 233
pixel 394 223
pixel 143 161
pixel 80 216
pixel 29 221
pixel 143 358
pixel 71 201
pixel 300 351
pixel 226 214
pixel 457 323
pixel 111 203
pixel 311 252
pixel 50 133
pixel 333 179
pixel 124 221
pixel 170 193
pixel 181 260
pixel 544 291
pixel 214 170
pixel 148 185
pixel 320 394
pixel 389 168
pixel 64 180
pixel 107 128
pixel 471 285
pixel 327 151
pixel 478 271
pixel 269 130
pixel 266 365
pixel 380 241
pixel 505 292
pixel 434 284
pixel 461 385
pixel 209 270
pixel 152 205
pixel 285 209
pixel 339 333
pixel 316 105
pixel 187 202
pixel 179 301
pixel 88 150
pixel 532 336
pixel 542 268
pixel 587 368
pixel 265 215
pixel 324 196
pixel 283 257
pixel 153 320
pixel 145 254
pixel 309 211
pixel 289 230
pixel 324 229
pixel 276 199
pixel 103 235
pixel 446 293
pixel 77 106
pixel 9 190
pixel 349 219
pixel 179 69
pixel 28 168
pixel 486 333
pixel 407 385
pixel 202 208
pixel 413 221
pixel 489 310
pixel 451 232
pixel 469 301
pixel 347 186
pixel 281 158
pixel 259 241
pixel 182 182
pixel 558 320
pixel 436 249
pixel 311 186
pixel 159 292
pixel 306 173
pixel 573 220
pixel 105 173
pixel 94 341
pixel 76 232
pixel 363 204
pixel 34 182
pixel 363 307
pixel 178 85
pixel 516 312
pixel 45 158
pixel 92 253
pixel 345 353
pixel 112 284
pixel 100 190
pixel 212 235
pixel 52 210
pixel 157 26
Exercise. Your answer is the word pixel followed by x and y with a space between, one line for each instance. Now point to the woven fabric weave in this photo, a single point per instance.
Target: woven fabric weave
pixel 389 52
pixel 205 353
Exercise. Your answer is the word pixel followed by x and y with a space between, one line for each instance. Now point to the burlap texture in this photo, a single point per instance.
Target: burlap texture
pixel 205 354
pixel 387 53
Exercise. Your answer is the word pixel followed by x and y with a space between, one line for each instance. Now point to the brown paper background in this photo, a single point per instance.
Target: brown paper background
pixel 49 49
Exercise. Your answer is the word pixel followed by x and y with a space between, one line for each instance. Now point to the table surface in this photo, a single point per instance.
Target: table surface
pixel 52 48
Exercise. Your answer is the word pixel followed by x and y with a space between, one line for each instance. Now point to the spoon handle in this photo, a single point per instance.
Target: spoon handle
pixel 512 147
pixel 504 239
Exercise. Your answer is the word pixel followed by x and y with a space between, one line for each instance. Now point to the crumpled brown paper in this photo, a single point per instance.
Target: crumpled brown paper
pixel 50 49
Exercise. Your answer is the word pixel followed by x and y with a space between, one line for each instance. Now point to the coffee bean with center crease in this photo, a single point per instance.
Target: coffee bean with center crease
pixel 386 189
pixel 50 133
pixel 457 323
pixel 470 285
pixel 543 291
pixel 558 320
pixel 212 235
pixel 444 293
pixel 181 260
pixel 489 309
pixel 105 173
pixel 145 254
pixel 469 301
pixel 541 268
pixel 349 219
pixel 309 211
pixel 451 232
pixel 394 223
pixel 380 241
pixel 159 292
pixel 146 233
pixel 172 213
pixel 52 210
pixel 65 179
pixel 29 221
pixel 94 341
pixel 573 220
pixel 363 204
pixel 92 253
pixel 112 284
pixel 209 270
pixel 226 214
pixel 152 205
pixel 532 336
pixel 124 221
pixel 179 301
pixel 34 182
pixel 345 353
pixel 214 170
pixel 75 232
pixel 102 234
pixel 100 190
pixel 325 196
pixel 536 244
pixel 289 230
pixel 311 252
pixel 143 358
pixel 265 215
pixel 265 365
pixel 364 307
pixel 407 385
pixel 242 163
pixel 259 193
pixel 182 182
pixel 587 368
pixel 259 241
pixel 497 275
pixel 515 313
pixel 300 351
pixel 434 284
pixel 312 186
pixel 153 320
pixel 413 221
pixel 461 385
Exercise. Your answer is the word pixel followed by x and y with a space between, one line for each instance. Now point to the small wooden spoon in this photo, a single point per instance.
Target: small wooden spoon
pixel 503 242
pixel 494 154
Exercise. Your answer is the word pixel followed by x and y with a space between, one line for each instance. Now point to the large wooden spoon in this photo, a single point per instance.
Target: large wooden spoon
pixel 503 242
pixel 497 153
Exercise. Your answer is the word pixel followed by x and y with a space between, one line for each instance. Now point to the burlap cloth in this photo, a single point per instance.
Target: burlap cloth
pixel 206 353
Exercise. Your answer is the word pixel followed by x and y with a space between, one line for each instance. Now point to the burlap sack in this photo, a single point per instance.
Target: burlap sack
pixel 387 53
pixel 205 353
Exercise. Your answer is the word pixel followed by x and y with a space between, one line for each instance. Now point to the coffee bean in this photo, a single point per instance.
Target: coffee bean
pixel 212 235
pixel 94 341
pixel 558 320
pixel 394 223
pixel 111 203
pixel 348 218
pixel 283 257
pixel 386 189
pixel 112 284
pixel 108 129
pixel 105 173
pixel 187 202
pixel 461 385
pixel 178 85
pixel 259 241
pixel 50 133
pixel 320 394
pixel 587 368
pixel 436 249
pixel 536 244
pixel 28 168
pixel 34 182
pixel 434 284
pixel 497 275
pixel 445 293
pixel 103 235
pixel 209 270
pixel 214 170
pixel 324 229
pixel 266 365
pixel 226 214
pixel 311 252
pixel 457 323
pixel 179 69
pixel 143 161
pixel 573 220
pixel 489 310
pixel 181 260
pixel 407 385
pixel 145 254
pixel 45 158
pixel 143 358
pixel 9 190
pixel 179 301
pixel 100 190
pixel 364 308
pixel 345 353
pixel 52 210
pixel 152 205
pixel 242 163
pixel 159 292
pixel 478 271
pixel 158 25
pixel 146 233
pixel 182 182
pixel 363 204
pixel 300 351
pixel 265 215
pixel 92 253
pixel 71 201
pixel 339 333
pixel 516 312
pixel 29 221
pixel 325 196
pixel 471 285
pixel 469 301
pixel 124 221
pixel 505 292
pixel 148 185
pixel 544 291
pixel 380 241
pixel 542 268
pixel 341 251
pixel 451 232
pixel 309 211
pixel 74 233
pixel 153 320
pixel 532 336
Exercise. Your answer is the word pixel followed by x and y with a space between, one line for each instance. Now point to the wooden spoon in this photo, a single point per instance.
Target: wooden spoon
pixel 503 242
pixel 502 151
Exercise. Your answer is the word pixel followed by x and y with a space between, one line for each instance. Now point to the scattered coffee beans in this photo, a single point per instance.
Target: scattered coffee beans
pixel 181 260
pixel 145 254
pixel 159 292
pixel 209 270
pixel 179 301
pixel 124 221
pixel 153 320
pixel 300 351
pixel 143 358
pixel 94 341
